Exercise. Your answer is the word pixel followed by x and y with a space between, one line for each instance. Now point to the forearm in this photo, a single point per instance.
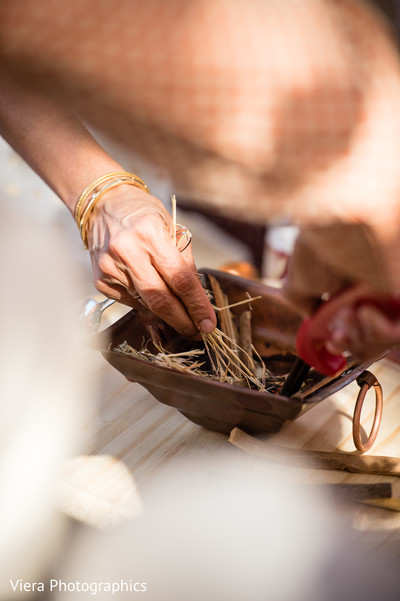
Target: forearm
pixel 52 140
pixel 130 243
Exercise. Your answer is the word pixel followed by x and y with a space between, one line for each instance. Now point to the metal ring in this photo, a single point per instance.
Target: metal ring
pixel 183 237
pixel 367 380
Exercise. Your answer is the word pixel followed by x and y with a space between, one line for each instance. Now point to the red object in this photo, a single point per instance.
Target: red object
pixel 314 331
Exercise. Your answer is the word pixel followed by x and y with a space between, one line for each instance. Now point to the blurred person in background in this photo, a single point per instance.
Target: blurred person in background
pixel 260 110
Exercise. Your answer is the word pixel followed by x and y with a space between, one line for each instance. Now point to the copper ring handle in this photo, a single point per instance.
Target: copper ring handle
pixel 367 380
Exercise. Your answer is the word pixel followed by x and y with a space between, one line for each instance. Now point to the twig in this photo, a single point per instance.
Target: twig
pixel 245 341
pixel 326 460
pixel 173 203
pixel 227 325
pixel 242 302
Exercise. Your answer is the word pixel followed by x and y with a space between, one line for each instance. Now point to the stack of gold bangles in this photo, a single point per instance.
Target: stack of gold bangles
pixel 91 195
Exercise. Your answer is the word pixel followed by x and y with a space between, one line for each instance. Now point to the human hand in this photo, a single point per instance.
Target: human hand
pixel 362 317
pixel 367 327
pixel 347 322
pixel 133 255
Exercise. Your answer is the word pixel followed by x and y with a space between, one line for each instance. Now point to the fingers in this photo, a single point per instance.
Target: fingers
pixel 379 333
pixel 319 267
pixel 182 280
pixel 118 293
pixel 344 332
pixel 144 261
pixel 366 333
pixel 171 290
pixel 155 294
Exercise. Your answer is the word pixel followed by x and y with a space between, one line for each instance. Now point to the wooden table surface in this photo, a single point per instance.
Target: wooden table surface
pixel 131 437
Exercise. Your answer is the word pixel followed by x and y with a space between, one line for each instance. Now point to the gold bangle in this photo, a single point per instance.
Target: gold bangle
pixel 87 191
pixel 83 197
pixel 128 179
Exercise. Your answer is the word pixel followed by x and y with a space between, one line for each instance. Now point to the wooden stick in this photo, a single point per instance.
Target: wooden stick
pixel 391 504
pixel 242 302
pixel 221 301
pixel 245 340
pixel 173 203
pixel 226 319
pixel 356 492
pixel 325 460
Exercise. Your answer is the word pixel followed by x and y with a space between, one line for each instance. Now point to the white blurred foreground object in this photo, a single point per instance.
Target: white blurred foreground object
pixel 43 396
pixel 226 532
pixel 219 534
pixel 98 490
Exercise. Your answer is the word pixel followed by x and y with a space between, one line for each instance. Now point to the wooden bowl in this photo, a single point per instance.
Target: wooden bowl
pixel 212 404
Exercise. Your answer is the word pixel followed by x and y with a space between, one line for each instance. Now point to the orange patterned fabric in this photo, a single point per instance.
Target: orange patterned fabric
pixel 258 108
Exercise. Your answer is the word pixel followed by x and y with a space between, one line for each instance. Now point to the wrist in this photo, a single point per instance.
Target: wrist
pixel 95 192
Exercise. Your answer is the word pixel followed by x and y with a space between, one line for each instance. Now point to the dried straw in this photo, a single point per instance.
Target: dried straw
pixel 231 362
pixel 182 362
pixel 224 355
pixel 231 351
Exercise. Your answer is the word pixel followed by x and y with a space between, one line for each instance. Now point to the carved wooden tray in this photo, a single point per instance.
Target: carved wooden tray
pixel 216 405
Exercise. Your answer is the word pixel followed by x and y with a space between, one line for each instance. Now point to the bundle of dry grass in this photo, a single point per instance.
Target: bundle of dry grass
pixel 185 362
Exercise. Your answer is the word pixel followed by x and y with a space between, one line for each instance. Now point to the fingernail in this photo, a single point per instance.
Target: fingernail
pixel 206 326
